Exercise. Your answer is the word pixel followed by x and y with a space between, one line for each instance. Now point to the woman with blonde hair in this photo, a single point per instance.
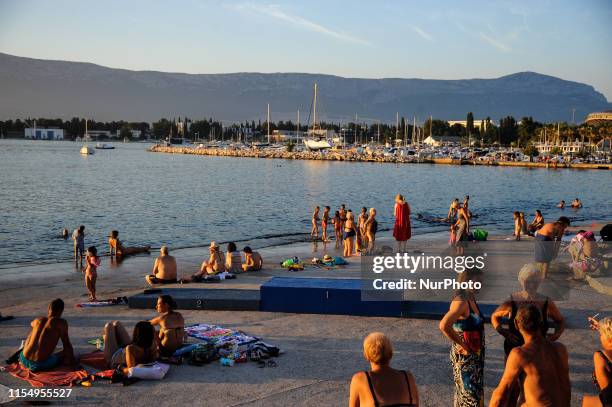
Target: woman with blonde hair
pixel 602 361
pixel 382 385
pixel 350 232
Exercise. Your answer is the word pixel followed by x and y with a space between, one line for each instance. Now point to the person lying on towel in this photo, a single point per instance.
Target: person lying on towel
pixel 37 354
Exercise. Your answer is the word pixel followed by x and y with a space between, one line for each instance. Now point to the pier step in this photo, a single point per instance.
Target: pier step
pixel 298 296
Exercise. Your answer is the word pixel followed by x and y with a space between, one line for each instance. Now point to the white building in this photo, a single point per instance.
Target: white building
pixel 43 134
pixel 567 147
pixel 438 141
pixel 477 123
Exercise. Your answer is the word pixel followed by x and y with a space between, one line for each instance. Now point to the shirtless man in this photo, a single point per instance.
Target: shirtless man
pixel 164 269
pixel 576 203
pixel 37 354
pixel 548 239
pixel 342 212
pixel 544 364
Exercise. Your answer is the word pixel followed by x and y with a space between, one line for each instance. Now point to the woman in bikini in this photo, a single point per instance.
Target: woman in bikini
pixel 350 231
pixel 92 262
pixel 171 326
pixel 233 259
pixel 602 360
pixel 121 351
pixel 530 278
pixel 463 324
pixel 314 232
pixel 536 224
pixel 117 249
pixel 382 385
pixel 324 222
pixel 214 265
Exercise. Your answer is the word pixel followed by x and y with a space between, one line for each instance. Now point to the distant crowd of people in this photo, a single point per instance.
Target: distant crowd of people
pixel 356 237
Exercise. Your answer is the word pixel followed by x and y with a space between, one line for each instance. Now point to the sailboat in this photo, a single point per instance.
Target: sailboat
pixel 317 139
pixel 86 150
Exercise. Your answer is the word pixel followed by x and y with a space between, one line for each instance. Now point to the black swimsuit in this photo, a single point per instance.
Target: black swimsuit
pixel 377 403
pixel 508 344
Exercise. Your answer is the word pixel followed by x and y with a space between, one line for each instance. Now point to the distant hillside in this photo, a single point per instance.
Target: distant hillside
pixel 42 88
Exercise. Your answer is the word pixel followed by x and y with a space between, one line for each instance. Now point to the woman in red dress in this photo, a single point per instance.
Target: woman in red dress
pixel 401 230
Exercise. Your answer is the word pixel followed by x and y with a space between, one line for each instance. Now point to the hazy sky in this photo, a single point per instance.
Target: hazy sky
pixel 442 39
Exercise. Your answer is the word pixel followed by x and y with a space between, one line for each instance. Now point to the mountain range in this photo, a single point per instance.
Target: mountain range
pixel 45 88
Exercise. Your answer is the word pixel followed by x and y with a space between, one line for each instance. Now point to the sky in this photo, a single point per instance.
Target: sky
pixel 443 39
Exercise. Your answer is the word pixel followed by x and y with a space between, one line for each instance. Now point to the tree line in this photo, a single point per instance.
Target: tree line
pixel 507 132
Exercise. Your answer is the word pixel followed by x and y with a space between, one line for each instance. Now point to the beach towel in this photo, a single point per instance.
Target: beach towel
pixel 103 303
pixel 94 359
pixel 217 335
pixel 59 376
pixel 401 229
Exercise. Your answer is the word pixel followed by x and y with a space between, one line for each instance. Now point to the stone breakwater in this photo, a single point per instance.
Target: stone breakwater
pixel 352 155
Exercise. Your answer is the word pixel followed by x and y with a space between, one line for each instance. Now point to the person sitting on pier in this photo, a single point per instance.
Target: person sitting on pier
pixel 214 265
pixel 233 260
pixel 253 261
pixel 117 249
pixel 164 269
pixel 576 204
pixel 37 354
pixel 536 224
pixel 121 351
pixel 561 204
pixel 382 385
pixel 171 326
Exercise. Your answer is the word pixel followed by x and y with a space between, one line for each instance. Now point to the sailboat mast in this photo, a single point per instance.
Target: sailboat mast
pixel 298 126
pixel 314 104
pixel 396 125
pixel 268 123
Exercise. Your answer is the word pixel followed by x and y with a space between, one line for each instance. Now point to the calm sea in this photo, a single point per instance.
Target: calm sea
pixel 186 201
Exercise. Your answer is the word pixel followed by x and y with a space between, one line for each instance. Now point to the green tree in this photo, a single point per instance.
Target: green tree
pixel 469 125
pixel 507 131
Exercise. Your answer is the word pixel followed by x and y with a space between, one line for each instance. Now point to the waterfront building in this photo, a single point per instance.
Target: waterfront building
pixel 37 133
pixel 477 123
pixel 438 141
pixel 567 147
pixel 598 118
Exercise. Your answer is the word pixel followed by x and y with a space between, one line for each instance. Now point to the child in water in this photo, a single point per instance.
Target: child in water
pixel 91 271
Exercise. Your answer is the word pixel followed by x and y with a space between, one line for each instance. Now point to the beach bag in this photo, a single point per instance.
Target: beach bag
pixel 480 235
pixel 203 353
pixel 151 371
pixel 290 262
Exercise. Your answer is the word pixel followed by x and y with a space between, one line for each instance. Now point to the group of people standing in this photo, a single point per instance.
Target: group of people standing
pixel 356 236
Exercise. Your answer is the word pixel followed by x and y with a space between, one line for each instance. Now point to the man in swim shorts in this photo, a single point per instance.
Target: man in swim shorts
pixel 164 269
pixel 547 241
pixel 37 354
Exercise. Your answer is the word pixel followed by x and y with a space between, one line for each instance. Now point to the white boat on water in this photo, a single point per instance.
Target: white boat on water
pixel 86 150
pixel 317 138
pixel 104 146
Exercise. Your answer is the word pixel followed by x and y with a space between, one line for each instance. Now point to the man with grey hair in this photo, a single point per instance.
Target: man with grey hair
pixel 164 269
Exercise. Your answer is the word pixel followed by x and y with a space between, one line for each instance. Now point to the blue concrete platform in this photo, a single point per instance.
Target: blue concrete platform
pixel 300 296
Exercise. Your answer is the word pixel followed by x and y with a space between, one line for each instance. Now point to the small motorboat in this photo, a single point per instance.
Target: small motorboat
pixel 86 150
pixel 104 146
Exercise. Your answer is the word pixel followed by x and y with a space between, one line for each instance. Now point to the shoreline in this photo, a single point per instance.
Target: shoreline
pixel 340 155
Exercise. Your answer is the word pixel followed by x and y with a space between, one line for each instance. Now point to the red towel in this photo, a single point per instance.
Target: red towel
pixel 402 230
pixel 59 376
pixel 94 359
